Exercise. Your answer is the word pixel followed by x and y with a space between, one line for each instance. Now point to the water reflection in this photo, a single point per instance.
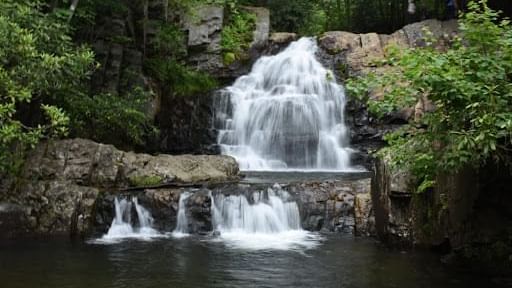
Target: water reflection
pixel 198 262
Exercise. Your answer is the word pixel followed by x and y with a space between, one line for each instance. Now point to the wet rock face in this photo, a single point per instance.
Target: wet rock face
pixel 468 213
pixel 392 191
pixel 62 180
pixel 330 205
pixel 163 205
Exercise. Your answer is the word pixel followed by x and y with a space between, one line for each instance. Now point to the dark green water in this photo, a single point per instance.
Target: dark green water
pixel 198 262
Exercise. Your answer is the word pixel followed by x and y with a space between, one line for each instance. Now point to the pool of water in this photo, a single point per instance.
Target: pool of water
pixel 254 177
pixel 200 261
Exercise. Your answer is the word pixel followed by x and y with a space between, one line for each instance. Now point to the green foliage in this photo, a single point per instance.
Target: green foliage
pixel 38 65
pixel 109 118
pixel 237 35
pixel 293 15
pixel 182 80
pixel 470 85
pixel 170 41
pixel 315 22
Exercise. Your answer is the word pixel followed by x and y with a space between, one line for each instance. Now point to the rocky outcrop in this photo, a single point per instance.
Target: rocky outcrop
pixel 349 55
pixel 204 38
pixel 62 180
pixel 261 32
pixel 335 205
pixel 69 186
pixel 468 212
pixel 325 205
pixel 392 191
pixel 204 30
pixel 88 163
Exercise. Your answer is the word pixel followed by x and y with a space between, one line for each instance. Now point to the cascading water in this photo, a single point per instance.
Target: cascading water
pixel 122 225
pixel 145 219
pixel 287 113
pixel 182 221
pixel 268 220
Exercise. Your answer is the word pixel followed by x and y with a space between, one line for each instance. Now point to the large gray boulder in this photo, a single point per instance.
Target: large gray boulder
pixel 204 26
pixel 87 163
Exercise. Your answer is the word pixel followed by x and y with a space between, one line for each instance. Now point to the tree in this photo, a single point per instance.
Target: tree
pixel 38 65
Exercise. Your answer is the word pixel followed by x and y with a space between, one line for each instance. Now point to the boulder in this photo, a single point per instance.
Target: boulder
pixel 50 207
pixel 204 25
pixel 330 205
pixel 87 163
pixel 282 37
pixel 391 195
pixel 261 32
pixel 364 219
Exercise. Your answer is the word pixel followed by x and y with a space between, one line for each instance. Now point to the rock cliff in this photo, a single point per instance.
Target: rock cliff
pixel 348 55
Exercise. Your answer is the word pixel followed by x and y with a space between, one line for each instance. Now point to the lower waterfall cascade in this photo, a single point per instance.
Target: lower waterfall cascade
pixel 182 221
pixel 286 114
pixel 121 226
pixel 265 220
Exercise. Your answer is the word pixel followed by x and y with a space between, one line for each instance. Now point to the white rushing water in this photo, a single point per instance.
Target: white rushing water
pixel 122 228
pixel 268 220
pixel 182 221
pixel 286 114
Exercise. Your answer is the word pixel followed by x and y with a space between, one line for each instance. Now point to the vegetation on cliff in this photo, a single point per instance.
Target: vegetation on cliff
pixel 469 84
pixel 237 35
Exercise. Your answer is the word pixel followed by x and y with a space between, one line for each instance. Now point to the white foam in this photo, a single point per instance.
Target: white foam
pixel 286 240
pixel 121 227
pixel 267 221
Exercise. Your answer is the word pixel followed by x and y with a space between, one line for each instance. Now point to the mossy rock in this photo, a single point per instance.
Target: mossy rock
pixel 146 180
pixel 229 58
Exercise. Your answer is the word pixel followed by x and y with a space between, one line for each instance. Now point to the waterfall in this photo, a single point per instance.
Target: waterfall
pixel 266 220
pixel 182 221
pixel 145 218
pixel 121 226
pixel 286 114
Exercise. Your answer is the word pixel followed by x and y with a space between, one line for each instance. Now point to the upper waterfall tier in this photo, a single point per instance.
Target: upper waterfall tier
pixel 287 113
